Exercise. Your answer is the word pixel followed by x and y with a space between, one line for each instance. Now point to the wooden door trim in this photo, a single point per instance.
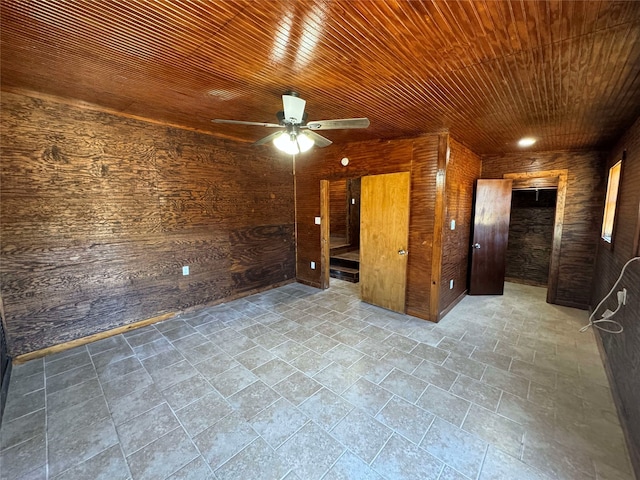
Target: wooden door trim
pixel 438 227
pixel 554 262
pixel 325 243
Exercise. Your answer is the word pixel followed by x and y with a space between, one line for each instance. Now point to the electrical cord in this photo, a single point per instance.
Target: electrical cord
pixel 607 320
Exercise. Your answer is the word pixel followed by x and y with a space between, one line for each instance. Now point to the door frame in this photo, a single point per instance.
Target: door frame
pixel 543 178
pixel 325 241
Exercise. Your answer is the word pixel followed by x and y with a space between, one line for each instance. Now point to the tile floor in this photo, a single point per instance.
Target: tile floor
pixel 296 383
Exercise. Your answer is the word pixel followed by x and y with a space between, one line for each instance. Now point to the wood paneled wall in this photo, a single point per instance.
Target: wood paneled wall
pixel 531 236
pixel 100 213
pixel 623 350
pixel 418 156
pixel 583 211
pixel 463 169
pixel 338 208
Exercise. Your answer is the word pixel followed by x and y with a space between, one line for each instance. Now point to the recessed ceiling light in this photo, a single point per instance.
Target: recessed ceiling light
pixel 526 142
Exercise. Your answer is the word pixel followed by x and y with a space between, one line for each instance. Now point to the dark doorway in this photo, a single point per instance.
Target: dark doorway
pixel 531 228
pixel 344 229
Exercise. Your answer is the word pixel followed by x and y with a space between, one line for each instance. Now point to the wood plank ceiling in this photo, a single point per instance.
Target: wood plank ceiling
pixel 565 72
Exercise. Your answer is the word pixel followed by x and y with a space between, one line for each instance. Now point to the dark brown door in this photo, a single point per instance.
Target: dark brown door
pixel 492 209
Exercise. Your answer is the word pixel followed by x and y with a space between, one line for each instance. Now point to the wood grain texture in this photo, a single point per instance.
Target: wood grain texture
pixel 623 351
pixel 325 233
pixel 491 214
pixel 418 156
pixel 439 211
pixel 463 169
pixel 582 216
pixel 338 209
pixel 530 236
pixel 353 194
pixel 384 239
pixel 99 213
pixel 424 168
pixel 489 72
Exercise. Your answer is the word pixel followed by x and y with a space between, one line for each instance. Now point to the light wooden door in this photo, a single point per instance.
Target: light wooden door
pixel 384 234
pixel 492 212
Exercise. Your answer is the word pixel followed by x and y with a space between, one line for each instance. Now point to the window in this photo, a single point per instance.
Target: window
pixel 613 184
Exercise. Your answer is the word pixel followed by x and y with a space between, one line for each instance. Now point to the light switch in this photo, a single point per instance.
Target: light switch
pixel 317 220
pixel 453 224
pixel 185 270
pixel 313 265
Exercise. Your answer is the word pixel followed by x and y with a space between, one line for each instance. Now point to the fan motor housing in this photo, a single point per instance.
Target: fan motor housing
pixel 281 120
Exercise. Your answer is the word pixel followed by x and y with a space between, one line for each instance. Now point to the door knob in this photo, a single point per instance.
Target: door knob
pixel 402 252
pixel 476 245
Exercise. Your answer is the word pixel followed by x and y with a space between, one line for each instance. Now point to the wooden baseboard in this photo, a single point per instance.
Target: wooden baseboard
pixel 308 283
pixel 61 347
pixel 132 326
pixel 635 458
pixel 450 307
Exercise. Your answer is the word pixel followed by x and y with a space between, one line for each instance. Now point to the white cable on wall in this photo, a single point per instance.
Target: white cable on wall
pixel 607 320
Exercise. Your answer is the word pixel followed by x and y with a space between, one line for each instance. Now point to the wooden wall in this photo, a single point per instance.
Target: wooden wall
pixel 354 187
pixel 100 213
pixel 463 169
pixel 418 156
pixel 530 236
pixel 583 211
pixel 338 208
pixel 623 351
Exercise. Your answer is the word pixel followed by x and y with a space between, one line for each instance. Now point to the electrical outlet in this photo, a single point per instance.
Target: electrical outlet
pixel 453 224
pixel 622 297
pixel 185 270
pixel 313 265
pixel 317 220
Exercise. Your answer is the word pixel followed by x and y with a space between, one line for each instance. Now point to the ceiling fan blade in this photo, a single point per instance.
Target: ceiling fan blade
pixel 318 139
pixel 293 108
pixel 240 122
pixel 338 124
pixel 267 139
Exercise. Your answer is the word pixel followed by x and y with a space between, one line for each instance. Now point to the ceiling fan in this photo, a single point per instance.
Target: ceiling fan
pixel 296 135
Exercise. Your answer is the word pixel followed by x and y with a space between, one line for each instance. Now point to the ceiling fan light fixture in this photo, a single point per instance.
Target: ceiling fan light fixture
pixel 283 143
pixel 305 142
pixel 292 144
pixel 526 142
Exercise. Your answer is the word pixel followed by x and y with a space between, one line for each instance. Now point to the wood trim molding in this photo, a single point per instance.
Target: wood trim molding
pixel 308 283
pixel 325 242
pixel 438 227
pixel 61 347
pixel 554 262
pixel 142 323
